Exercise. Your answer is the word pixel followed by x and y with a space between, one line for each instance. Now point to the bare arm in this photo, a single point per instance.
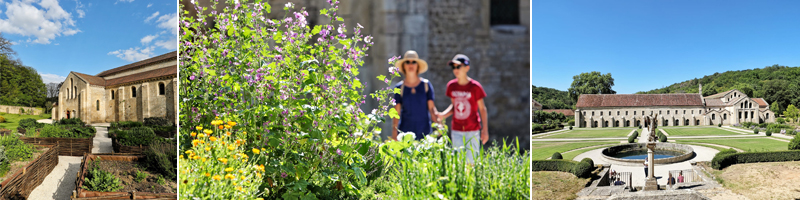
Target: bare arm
pixel 484 122
pixel 448 111
pixel 395 122
pixel 433 111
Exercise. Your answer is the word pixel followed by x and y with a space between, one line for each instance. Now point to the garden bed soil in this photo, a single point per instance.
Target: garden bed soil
pixel 24 176
pixel 124 166
pixel 67 146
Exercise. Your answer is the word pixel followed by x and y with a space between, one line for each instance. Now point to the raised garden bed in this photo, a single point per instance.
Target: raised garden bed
pixel 67 146
pixel 122 166
pixel 20 181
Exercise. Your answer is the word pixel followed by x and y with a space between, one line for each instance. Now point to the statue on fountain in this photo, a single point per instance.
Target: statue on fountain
pixel 651 123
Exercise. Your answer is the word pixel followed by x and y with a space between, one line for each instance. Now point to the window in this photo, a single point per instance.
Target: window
pixel 713 117
pixel 668 112
pixel 133 91
pixel 617 113
pixel 651 112
pixel 504 12
pixel 692 111
pixel 659 112
pixel 98 105
pixel 112 94
pixel 634 112
pixel 740 114
pixel 609 113
pixel 626 112
pixel 684 112
pixel 592 113
pixel 752 115
pixel 766 115
pixel 74 91
pixel 725 116
pixel 601 113
pixel 161 90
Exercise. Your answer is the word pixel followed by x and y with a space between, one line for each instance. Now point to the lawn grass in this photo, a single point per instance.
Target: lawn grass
pixel 593 133
pixel 12 120
pixel 543 150
pixel 556 185
pixel 571 155
pixel 698 131
pixel 752 144
pixel 705 145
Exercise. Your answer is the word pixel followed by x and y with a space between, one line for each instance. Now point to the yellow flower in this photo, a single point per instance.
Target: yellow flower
pixel 226 126
pixel 194 134
pixel 189 152
pixel 208 148
pixel 207 174
pixel 221 127
pixel 243 177
pixel 228 133
pixel 217 177
pixel 258 174
pixel 212 138
pixel 223 160
pixel 229 169
pixel 232 123
pixel 199 128
pixel 260 168
pixel 256 151
pixel 240 171
pixel 244 133
pixel 263 149
pixel 229 176
pixel 181 156
pixel 231 147
pixel 201 135
pixel 208 131
pixel 202 159
pixel 195 142
pixel 196 157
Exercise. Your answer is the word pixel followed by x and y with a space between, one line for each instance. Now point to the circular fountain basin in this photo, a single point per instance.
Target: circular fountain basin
pixel 664 153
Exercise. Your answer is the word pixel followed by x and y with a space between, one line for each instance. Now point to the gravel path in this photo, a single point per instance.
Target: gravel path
pixel 60 183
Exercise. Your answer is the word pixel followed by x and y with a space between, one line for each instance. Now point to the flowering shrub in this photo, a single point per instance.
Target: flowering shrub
pixel 292 87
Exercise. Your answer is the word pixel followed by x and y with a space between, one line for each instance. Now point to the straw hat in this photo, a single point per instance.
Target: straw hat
pixel 412 55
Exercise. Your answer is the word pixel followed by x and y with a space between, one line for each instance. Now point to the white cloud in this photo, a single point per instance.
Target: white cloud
pixel 52 78
pixel 149 38
pixel 45 22
pixel 171 44
pixel 169 21
pixel 123 1
pixel 153 16
pixel 149 5
pixel 133 54
pixel 79 9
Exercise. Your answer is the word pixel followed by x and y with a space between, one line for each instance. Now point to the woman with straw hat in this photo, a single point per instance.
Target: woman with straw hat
pixel 415 100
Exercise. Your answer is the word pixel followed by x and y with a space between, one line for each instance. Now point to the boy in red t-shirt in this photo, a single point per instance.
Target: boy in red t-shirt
pixel 467 96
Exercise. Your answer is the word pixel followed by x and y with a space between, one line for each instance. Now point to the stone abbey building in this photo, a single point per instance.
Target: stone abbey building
pixel 628 110
pixel 139 90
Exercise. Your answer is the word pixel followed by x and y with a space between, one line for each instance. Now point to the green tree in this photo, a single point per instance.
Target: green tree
pixel 591 83
pixel 791 112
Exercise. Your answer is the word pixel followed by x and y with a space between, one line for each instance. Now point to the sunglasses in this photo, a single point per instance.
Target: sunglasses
pixel 456 66
pixel 411 62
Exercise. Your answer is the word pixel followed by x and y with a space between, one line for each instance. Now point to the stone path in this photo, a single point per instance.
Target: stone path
pixel 545 134
pixel 60 183
pixel 728 128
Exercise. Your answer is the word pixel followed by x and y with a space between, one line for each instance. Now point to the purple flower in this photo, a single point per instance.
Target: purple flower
pixel 339 151
pixel 283 175
pixel 191 77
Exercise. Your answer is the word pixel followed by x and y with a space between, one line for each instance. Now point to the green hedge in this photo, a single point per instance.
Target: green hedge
pixel 721 161
pixel 795 143
pixel 553 165
pixel 556 155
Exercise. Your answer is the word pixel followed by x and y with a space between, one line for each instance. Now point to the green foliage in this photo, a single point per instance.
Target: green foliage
pixel 588 160
pixel 795 143
pixel 769 132
pixel 160 180
pixel 719 125
pixel 556 156
pixel 553 165
pixel 71 121
pixel 125 124
pixel 721 161
pixel 792 112
pixel 139 176
pixel 551 98
pixel 162 157
pixel 662 138
pixel 137 136
pixel 582 169
pixel 632 138
pixel 780 120
pixel 67 131
pixel 591 83
pixel 549 117
pixel 5 166
pixel 156 121
pixel 755 131
pixel 15 149
pixel 101 181
pixel 570 127
pixel 2 119
pixel 29 122
pixel 20 85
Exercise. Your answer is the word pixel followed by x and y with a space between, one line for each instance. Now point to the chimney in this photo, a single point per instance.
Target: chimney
pixel 701 94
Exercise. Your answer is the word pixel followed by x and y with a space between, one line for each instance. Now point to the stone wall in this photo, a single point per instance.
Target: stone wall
pixel 15 110
pixel 147 103
pixel 72 97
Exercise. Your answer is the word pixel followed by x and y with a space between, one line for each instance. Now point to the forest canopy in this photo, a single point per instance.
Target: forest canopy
pixel 19 85
pixel 551 98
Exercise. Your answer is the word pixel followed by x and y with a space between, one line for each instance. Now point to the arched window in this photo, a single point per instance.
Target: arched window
pixel 668 112
pixel 725 116
pixel 592 113
pixel 766 115
pixel 634 112
pixel 601 113
pixel 609 113
pixel 74 91
pixel 112 94
pixel 98 105
pixel 133 91
pixel 161 90
pixel 713 117
pixel 617 113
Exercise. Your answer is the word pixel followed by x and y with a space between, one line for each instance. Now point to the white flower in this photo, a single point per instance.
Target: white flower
pixel 289 5
pixel 406 136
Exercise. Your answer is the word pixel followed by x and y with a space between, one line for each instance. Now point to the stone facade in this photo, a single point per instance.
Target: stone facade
pixel 438 30
pixel 727 108
pixel 109 96
pixel 15 110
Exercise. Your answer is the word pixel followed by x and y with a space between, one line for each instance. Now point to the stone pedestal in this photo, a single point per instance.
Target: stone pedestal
pixel 651 183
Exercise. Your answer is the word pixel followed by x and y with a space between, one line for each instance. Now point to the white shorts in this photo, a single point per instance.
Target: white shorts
pixel 472 139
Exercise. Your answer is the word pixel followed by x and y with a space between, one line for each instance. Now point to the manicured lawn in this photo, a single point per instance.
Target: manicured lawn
pixel 543 150
pixel 593 133
pixel 572 154
pixel 12 120
pixel 754 144
pixel 556 185
pixel 698 131
pixel 705 145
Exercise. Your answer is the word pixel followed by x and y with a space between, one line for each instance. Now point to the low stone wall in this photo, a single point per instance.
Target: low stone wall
pixel 21 183
pixel 15 110
pixel 688 152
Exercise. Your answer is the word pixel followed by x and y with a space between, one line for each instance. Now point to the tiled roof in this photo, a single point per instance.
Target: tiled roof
pixel 567 112
pixel 761 102
pixel 171 55
pixel 718 95
pixel 715 102
pixel 638 100
pixel 536 103
pixel 166 71
pixel 94 80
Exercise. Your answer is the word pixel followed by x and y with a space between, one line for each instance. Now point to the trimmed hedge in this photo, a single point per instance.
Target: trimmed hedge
pixel 582 170
pixel 553 165
pixel 588 160
pixel 722 161
pixel 769 132
pixel 719 125
pixel 795 143
pixel 755 131
pixel 632 138
pixel 156 121
pixel 556 155
pixel 662 138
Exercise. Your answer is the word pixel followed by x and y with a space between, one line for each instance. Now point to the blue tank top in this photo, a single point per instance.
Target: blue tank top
pixel 414 115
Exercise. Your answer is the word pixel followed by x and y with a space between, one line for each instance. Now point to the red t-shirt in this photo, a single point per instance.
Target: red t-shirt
pixel 465 104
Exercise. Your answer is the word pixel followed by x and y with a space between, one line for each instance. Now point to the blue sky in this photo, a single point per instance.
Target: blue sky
pixel 647 45
pixel 59 36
